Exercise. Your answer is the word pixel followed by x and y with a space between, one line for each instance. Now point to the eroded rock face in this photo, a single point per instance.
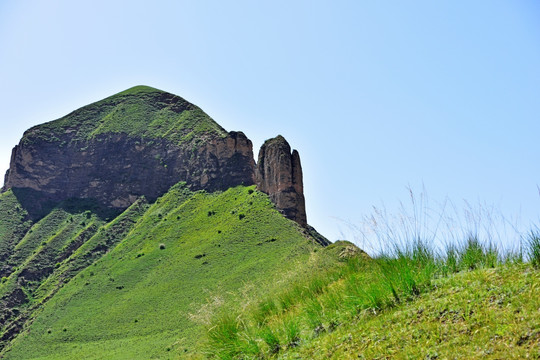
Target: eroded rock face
pixel 279 174
pixel 116 169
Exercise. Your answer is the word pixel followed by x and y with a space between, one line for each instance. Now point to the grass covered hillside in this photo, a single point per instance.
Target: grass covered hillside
pixel 145 298
pixel 481 314
pixel 140 112
pixel 13 226
pixel 32 251
pixel 223 275
pixel 470 302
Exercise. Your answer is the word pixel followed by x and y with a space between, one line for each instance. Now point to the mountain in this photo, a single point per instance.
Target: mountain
pixel 140 142
pixel 119 221
pixel 136 227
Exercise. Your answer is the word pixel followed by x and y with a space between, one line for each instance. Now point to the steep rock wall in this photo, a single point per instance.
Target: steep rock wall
pixel 115 169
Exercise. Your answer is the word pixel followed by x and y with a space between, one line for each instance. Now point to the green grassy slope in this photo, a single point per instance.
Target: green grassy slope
pixel 140 112
pixel 467 304
pixel 91 248
pixel 32 250
pixel 32 253
pixel 483 314
pixel 13 226
pixel 136 301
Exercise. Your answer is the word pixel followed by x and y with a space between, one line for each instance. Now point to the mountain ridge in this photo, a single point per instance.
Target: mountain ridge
pixel 145 140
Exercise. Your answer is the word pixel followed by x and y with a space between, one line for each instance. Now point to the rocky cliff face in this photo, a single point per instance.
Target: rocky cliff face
pixel 116 169
pixel 279 174
pixel 141 142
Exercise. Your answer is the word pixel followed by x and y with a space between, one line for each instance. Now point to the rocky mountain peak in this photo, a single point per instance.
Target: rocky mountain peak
pixel 140 142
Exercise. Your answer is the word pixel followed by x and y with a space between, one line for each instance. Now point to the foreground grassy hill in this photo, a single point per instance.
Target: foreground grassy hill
pixel 483 314
pixel 141 299
pixel 470 303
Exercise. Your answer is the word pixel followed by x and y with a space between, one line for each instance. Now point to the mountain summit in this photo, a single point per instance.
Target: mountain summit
pixel 140 142
pixel 120 220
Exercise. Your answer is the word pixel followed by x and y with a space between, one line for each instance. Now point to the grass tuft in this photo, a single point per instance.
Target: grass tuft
pixel 534 248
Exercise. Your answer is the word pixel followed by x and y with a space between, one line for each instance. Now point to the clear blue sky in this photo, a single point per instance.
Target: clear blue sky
pixel 375 95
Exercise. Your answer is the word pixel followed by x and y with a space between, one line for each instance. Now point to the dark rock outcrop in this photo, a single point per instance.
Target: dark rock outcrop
pixel 279 174
pixel 116 169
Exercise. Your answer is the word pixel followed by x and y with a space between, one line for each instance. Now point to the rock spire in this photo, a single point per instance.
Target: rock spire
pixel 279 174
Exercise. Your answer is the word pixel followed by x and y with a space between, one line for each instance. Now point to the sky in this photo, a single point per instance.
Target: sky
pixel 378 97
